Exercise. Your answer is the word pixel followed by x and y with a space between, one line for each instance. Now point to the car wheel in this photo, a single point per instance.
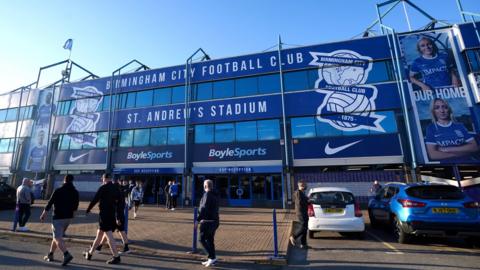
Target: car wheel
pixel 373 221
pixel 311 234
pixel 400 234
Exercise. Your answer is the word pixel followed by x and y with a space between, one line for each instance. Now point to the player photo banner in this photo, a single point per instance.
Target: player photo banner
pixel 38 147
pixel 442 106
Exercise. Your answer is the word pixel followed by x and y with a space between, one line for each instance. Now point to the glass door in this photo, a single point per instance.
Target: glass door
pixel 240 190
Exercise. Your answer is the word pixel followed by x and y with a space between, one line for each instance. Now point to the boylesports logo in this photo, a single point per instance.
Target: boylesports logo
pixel 237 152
pixel 349 104
pixel 149 155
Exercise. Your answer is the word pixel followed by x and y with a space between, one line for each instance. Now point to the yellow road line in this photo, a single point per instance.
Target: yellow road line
pixel 384 243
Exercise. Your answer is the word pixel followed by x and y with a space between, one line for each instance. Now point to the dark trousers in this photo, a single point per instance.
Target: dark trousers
pixel 173 201
pixel 207 237
pixel 23 214
pixel 300 230
pixel 168 201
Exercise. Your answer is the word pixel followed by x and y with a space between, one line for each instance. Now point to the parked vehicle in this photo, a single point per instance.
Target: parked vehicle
pixel 334 209
pixel 7 196
pixel 423 209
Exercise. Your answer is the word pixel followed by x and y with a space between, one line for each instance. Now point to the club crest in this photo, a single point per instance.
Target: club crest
pixel 84 115
pixel 349 103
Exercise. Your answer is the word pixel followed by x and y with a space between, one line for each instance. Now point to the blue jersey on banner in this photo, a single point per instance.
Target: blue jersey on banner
pixel 44 113
pixel 37 155
pixel 453 134
pixel 435 71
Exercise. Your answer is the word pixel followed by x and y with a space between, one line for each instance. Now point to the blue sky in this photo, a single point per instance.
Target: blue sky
pixel 108 34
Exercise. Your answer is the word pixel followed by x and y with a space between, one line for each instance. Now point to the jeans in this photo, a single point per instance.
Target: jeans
pixel 23 214
pixel 207 237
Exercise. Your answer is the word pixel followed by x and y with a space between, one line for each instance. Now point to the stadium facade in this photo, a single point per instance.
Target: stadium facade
pixel 341 114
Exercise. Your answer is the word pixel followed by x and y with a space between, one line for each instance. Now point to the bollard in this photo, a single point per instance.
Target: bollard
pixel 275 239
pixel 194 241
pixel 125 212
pixel 15 218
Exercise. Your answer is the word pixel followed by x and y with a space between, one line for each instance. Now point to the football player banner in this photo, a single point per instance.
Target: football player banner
pixel 442 106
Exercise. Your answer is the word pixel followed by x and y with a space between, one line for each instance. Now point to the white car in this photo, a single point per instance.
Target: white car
pixel 334 209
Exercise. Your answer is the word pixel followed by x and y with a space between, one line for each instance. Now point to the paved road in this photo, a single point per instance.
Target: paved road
pixel 329 251
pixel 25 253
pixel 379 251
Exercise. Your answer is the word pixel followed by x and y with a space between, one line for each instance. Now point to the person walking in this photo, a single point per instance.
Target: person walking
pixel 208 220
pixel 136 198
pixel 167 195
pixel 109 196
pixel 301 211
pixel 65 202
pixel 120 215
pixel 24 202
pixel 173 195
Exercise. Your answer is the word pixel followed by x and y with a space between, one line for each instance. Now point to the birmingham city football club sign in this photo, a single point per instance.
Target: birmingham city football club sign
pixel 349 104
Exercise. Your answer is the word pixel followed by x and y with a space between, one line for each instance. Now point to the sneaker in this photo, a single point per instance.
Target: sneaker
pixel 48 257
pixel 67 259
pixel 292 241
pixel 87 255
pixel 98 249
pixel 125 250
pixel 134 215
pixel 210 262
pixel 173 209
pixel 114 260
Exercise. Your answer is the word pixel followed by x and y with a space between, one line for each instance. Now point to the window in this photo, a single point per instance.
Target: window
pixel 144 98
pixel 246 86
pixel 102 139
pixel 3 114
pixel 202 91
pixel 126 100
pixel 473 60
pixel 297 80
pixel 223 89
pixel 77 142
pixel 141 137
pixel 126 138
pixel 204 134
pixel 268 130
pixel 159 136
pixel 382 71
pixel 162 96
pixel 224 133
pixel 4 145
pixel 246 131
pixel 105 106
pixel 178 94
pixel 303 127
pixel 176 135
pixel 64 143
pixel 269 84
pixel 13 144
pixel 11 114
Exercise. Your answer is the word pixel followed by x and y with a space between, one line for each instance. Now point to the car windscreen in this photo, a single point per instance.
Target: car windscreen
pixel 436 192
pixel 333 197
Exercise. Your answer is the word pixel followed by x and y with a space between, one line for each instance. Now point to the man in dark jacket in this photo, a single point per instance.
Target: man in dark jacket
pixel 209 221
pixel 301 210
pixel 65 202
pixel 109 197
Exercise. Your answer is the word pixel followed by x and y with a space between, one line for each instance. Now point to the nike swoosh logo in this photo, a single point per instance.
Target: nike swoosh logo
pixel 332 151
pixel 73 159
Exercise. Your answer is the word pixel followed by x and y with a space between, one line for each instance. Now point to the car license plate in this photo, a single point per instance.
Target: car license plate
pixel 333 210
pixel 445 210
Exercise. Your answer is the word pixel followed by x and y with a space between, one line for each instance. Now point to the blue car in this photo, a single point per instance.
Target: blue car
pixel 422 209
